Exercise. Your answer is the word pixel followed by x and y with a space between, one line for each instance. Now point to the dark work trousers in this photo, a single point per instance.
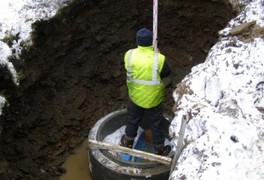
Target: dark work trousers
pixel 154 116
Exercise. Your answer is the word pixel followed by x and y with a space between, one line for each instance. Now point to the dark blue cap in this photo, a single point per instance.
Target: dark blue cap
pixel 144 37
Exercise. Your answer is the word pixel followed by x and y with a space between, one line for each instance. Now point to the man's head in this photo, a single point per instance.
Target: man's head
pixel 144 37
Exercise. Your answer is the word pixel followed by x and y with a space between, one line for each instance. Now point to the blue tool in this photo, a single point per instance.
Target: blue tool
pixel 143 143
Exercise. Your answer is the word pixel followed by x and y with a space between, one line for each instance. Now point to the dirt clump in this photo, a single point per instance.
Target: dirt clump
pixel 246 32
pixel 73 74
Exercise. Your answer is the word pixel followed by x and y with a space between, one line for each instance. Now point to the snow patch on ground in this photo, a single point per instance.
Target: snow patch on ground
pixel 224 136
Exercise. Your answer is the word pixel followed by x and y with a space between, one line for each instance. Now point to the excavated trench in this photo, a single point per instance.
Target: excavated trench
pixel 73 74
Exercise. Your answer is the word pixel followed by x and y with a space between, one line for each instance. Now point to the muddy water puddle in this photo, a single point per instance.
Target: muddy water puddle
pixel 77 165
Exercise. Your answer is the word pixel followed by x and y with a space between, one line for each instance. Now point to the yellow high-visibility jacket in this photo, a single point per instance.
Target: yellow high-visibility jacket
pixel 143 67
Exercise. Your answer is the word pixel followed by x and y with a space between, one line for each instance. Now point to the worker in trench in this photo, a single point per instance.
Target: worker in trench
pixel 145 70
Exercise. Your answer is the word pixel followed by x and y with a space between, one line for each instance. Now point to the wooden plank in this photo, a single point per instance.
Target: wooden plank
pixel 133 152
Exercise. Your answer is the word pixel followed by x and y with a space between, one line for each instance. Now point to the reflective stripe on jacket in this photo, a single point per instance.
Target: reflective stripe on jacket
pixel 143 66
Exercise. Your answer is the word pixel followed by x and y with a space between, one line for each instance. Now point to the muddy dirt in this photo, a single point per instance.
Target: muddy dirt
pixel 73 74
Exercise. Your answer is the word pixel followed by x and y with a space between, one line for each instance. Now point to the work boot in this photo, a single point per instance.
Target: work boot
pixel 163 150
pixel 126 142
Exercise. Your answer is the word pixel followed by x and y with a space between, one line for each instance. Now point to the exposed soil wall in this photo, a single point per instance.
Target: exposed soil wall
pixel 73 74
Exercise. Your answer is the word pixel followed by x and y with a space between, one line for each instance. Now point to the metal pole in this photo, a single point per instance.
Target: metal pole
pixel 179 144
pixel 155 24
